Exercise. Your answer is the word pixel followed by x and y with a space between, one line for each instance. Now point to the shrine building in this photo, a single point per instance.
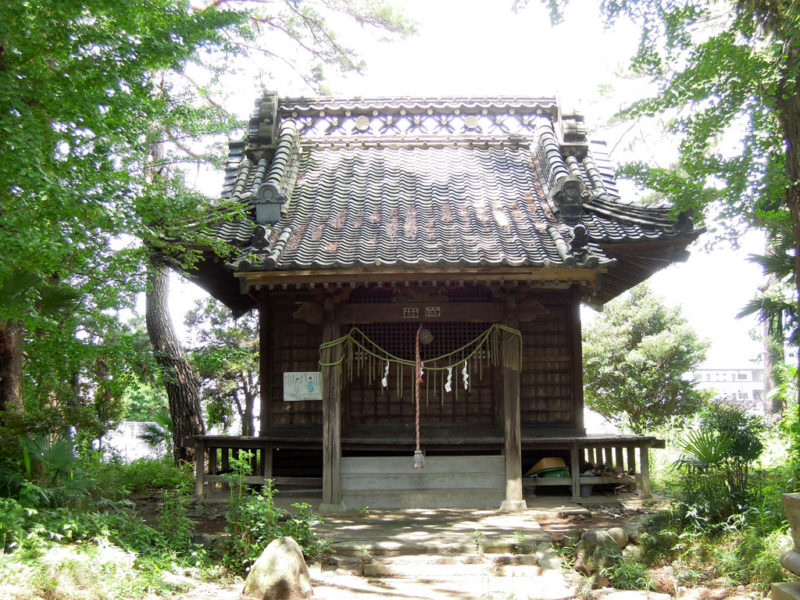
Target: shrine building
pixel 418 265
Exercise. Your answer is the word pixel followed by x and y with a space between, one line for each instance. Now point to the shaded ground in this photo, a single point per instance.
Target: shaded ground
pixel 555 515
pixel 383 533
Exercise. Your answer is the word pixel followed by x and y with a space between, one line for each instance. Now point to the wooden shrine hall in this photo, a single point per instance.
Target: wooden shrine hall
pixel 418 266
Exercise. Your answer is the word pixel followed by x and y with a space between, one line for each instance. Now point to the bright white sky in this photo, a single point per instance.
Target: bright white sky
pixel 481 48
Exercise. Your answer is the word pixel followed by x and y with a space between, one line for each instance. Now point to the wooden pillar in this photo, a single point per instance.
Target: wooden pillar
pixel 512 447
pixel 331 422
pixel 644 450
pixel 575 471
pixel 577 358
pixel 266 461
pixel 200 466
pixel 630 464
pixel 619 463
pixel 265 362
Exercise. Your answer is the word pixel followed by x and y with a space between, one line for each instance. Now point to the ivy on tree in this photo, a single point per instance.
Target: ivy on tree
pixel 635 357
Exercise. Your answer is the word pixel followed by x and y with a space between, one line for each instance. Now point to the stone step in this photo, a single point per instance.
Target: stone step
pixel 545 585
pixel 428 571
pixel 411 561
pixel 420 542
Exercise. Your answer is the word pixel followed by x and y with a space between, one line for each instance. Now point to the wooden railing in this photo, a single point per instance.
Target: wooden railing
pixel 215 455
pixel 616 461
pixel 625 460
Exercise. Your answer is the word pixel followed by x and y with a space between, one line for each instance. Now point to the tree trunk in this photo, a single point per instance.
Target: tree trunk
pixel 249 402
pixel 773 339
pixel 182 391
pixel 11 366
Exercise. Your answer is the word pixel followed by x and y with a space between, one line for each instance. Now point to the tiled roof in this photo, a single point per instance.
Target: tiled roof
pixel 450 182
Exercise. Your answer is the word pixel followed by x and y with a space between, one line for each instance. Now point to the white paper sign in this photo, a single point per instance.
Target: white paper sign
pixel 302 385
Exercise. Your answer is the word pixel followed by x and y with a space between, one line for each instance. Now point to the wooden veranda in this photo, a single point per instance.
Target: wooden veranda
pixel 624 457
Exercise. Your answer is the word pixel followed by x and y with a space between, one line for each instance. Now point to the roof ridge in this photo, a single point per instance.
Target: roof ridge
pixel 492 104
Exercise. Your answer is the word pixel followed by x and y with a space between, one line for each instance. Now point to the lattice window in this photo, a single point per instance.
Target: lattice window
pixel 400 338
pixel 367 402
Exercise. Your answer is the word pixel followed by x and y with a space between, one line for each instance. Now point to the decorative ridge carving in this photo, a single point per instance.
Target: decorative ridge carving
pixel 417 105
pixel 568 195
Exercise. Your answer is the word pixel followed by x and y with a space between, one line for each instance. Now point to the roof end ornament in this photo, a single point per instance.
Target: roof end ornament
pixel 268 202
pixel 569 194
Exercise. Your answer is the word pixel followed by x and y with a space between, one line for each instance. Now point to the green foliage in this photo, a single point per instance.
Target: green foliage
pixel 625 574
pixel 254 521
pixel 13 517
pixel 77 110
pixel 635 357
pixel 116 479
pixel 715 466
pixel 174 522
pixel 158 434
pixel 48 474
pixel 224 354
pixel 144 402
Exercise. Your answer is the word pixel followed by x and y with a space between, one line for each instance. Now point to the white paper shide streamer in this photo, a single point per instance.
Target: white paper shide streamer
pixel 385 380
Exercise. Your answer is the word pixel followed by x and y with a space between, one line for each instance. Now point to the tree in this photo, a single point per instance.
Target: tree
pixel 776 309
pixel 636 356
pixel 88 90
pixel 224 354
pixel 76 105
pixel 725 76
pixel 182 393
pixel 304 26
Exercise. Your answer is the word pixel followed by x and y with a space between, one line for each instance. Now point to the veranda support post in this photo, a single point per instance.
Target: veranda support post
pixel 512 448
pixel 331 421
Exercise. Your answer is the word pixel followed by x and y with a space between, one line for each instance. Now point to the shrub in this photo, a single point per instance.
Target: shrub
pixel 626 574
pixel 117 478
pixel 174 522
pixel 715 467
pixel 254 521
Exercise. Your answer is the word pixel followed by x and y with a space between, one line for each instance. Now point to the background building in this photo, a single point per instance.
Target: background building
pixel 743 386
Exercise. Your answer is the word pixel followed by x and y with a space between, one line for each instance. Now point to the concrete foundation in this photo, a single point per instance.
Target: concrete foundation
pixel 785 591
pixel 446 482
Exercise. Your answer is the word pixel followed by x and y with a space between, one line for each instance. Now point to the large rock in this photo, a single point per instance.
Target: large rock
pixel 620 536
pixel 280 573
pixel 596 550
